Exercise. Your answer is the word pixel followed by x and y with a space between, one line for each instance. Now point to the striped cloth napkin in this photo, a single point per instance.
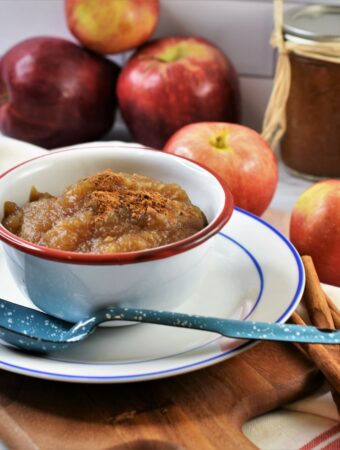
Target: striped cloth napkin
pixel 308 424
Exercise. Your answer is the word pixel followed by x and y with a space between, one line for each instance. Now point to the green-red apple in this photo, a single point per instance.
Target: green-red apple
pixel 315 228
pixel 237 154
pixel 173 82
pixel 112 26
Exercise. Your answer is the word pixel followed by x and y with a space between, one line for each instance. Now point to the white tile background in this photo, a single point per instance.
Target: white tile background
pixel 241 28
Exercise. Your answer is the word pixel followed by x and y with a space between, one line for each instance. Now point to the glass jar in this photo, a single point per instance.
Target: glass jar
pixel 311 144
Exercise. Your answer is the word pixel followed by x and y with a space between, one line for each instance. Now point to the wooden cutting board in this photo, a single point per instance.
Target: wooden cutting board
pixel 201 410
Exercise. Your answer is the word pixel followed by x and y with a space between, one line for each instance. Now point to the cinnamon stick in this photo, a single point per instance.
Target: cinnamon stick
pixel 326 360
pixel 334 311
pixel 314 297
pixel 324 314
pixel 321 356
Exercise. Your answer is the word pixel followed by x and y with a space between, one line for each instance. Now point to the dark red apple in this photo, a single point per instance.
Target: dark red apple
pixel 315 228
pixel 54 93
pixel 112 26
pixel 237 154
pixel 173 82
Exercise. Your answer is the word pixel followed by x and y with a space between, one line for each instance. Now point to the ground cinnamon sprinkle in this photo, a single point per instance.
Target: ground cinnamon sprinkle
pixel 108 212
pixel 106 180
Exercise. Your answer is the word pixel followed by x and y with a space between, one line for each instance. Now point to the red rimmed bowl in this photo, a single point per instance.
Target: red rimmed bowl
pixel 72 285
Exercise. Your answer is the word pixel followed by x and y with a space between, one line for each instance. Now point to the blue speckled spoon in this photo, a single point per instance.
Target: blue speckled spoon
pixel 38 332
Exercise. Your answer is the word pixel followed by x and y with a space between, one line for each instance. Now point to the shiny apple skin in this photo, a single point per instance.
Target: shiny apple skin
pixel 315 228
pixel 55 93
pixel 112 26
pixel 247 163
pixel 157 98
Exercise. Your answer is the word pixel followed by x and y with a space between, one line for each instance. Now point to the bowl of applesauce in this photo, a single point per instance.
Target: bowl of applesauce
pixel 88 227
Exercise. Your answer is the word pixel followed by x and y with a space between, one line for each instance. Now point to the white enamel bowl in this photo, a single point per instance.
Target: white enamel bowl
pixel 71 285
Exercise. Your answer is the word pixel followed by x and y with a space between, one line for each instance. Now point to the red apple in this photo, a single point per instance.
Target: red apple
pixel 315 228
pixel 175 81
pixel 238 154
pixel 54 93
pixel 112 26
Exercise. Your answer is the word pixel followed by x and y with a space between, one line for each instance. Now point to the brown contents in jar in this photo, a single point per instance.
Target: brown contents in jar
pixel 107 213
pixel 311 144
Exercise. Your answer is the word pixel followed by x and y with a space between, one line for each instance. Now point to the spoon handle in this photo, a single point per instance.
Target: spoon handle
pixel 238 329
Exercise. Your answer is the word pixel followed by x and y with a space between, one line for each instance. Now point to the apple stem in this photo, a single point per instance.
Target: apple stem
pixel 220 141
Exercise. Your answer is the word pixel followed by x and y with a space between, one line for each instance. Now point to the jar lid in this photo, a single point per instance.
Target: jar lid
pixel 313 22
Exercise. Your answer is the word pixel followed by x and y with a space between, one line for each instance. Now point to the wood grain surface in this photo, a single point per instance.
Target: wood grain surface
pixel 200 410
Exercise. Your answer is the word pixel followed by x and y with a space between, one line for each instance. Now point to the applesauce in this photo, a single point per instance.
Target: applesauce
pixel 106 213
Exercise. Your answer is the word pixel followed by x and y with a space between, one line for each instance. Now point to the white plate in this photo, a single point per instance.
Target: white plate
pixel 253 271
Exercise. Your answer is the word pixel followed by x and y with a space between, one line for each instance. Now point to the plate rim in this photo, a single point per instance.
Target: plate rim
pixel 184 368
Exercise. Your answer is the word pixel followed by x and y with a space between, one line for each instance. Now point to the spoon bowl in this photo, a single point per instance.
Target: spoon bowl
pixel 38 332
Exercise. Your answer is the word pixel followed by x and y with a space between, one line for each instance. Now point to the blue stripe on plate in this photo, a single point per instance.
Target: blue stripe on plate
pixel 301 272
